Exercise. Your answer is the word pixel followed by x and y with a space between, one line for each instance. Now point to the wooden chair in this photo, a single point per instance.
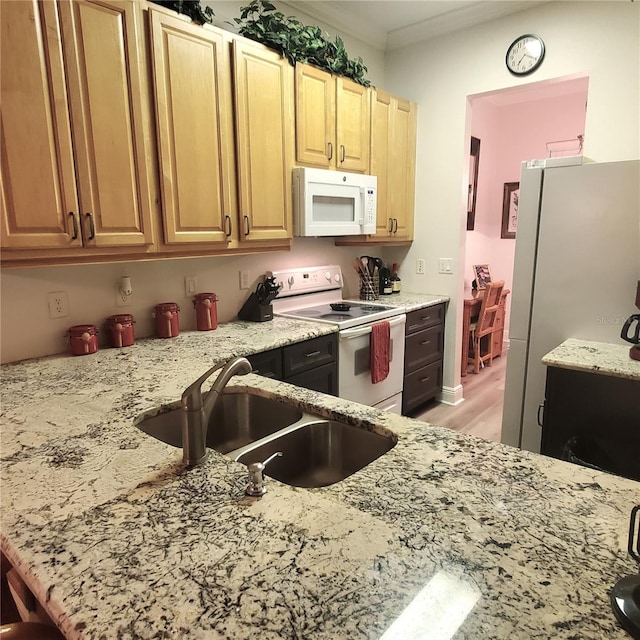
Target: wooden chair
pixel 481 351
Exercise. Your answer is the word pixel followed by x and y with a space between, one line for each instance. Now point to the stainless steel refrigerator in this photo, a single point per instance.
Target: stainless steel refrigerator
pixel 577 265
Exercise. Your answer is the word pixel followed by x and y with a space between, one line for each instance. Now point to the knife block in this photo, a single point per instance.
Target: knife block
pixel 253 311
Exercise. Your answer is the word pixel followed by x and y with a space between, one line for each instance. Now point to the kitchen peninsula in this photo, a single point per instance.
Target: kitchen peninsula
pixel 118 540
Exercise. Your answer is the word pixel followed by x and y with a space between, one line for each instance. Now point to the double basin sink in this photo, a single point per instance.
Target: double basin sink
pixel 249 428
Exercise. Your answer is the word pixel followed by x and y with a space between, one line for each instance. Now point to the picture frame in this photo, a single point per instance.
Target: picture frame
pixel 482 275
pixel 474 161
pixel 510 201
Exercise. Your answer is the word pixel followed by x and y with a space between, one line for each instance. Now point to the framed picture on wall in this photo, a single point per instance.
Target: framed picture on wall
pixel 510 200
pixel 474 159
pixel 482 275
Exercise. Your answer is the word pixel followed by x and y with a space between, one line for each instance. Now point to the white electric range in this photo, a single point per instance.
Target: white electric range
pixel 315 294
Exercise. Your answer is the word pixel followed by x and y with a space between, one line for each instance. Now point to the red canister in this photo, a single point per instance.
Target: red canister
pixel 167 320
pixel 206 311
pixel 121 330
pixel 83 339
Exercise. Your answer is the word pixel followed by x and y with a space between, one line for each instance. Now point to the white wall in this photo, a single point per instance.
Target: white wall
pixel 600 39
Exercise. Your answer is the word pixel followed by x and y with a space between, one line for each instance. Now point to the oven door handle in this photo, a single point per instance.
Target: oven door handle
pixel 356 332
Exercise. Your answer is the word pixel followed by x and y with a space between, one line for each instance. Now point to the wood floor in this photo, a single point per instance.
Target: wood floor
pixel 481 412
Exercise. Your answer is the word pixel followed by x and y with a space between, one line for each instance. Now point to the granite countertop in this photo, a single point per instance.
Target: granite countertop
pixel 411 301
pixel 118 540
pixel 594 357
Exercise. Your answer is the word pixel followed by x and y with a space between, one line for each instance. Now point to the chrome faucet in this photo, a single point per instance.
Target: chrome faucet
pixel 197 408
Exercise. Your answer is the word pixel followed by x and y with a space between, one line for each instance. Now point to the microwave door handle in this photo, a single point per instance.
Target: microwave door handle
pixel 363 204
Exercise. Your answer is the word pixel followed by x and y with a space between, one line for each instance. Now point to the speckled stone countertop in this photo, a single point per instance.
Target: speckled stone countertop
pixel 594 357
pixel 445 536
pixel 411 301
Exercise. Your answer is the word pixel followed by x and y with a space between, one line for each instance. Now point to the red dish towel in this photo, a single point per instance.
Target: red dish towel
pixel 380 347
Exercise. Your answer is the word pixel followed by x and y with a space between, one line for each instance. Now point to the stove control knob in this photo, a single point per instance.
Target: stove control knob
pixel 337 277
pixel 291 280
pixel 327 275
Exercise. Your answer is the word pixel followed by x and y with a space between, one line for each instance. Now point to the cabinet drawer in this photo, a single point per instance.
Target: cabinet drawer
pixel 323 379
pixel 267 363
pixel 423 318
pixel 421 385
pixel 423 347
pixel 309 354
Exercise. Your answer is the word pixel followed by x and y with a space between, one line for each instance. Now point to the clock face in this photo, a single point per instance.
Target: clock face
pixel 525 55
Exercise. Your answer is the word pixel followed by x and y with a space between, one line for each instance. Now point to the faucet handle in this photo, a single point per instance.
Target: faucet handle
pixel 257 486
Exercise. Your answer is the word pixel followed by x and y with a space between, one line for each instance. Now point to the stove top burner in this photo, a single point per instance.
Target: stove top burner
pixel 355 314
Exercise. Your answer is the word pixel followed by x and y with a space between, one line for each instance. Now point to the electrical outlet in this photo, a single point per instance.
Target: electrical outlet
pixel 244 278
pixel 122 300
pixel 445 265
pixel 190 286
pixel 58 304
pixel 420 266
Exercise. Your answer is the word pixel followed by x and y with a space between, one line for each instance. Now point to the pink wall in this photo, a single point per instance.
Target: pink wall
pixel 511 132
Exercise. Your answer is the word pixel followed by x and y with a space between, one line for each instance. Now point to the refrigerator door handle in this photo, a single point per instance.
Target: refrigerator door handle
pixel 540 414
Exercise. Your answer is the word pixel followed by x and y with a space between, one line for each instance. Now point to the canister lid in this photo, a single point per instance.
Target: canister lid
pixel 167 306
pixel 206 296
pixel 122 318
pixel 79 329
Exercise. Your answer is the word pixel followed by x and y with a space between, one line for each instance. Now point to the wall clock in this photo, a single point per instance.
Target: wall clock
pixel 525 54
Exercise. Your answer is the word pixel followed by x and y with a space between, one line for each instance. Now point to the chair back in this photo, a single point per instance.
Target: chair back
pixel 489 308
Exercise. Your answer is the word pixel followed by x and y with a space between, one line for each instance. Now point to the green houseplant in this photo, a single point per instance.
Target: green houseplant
pixel 189 8
pixel 261 21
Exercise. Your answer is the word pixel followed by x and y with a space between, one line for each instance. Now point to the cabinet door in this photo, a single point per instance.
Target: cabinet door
pixel 353 125
pixel 101 46
pixel 263 84
pixel 380 138
pixel 315 116
pixel 39 198
pixel 195 136
pixel 402 163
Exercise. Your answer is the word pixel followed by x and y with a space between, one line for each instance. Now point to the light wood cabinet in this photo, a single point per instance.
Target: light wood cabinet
pixel 74 174
pixel 393 161
pixel 192 80
pixel 333 124
pixel 393 151
pixel 263 85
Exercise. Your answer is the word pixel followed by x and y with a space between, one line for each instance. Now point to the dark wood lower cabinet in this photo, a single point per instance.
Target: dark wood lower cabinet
pixel 312 364
pixel 592 419
pixel 424 348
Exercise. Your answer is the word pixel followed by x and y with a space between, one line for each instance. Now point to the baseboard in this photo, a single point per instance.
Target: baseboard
pixel 451 396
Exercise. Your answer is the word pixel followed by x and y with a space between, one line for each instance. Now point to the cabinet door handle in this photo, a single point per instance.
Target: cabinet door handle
pixel 342 153
pixel 426 342
pixel 395 225
pixel 247 228
pixel 228 224
pixel 330 145
pixel 425 379
pixel 92 226
pixel 540 416
pixel 390 225
pixel 75 225
pixel 313 354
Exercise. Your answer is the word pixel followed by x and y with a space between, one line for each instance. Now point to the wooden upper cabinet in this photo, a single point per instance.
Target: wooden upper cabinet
pixel 263 85
pixel 192 77
pixel 353 125
pixel 332 120
pixel 393 153
pixel 74 166
pixel 39 199
pixel 101 44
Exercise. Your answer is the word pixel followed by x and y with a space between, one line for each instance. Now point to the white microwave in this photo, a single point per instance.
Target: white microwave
pixel 333 203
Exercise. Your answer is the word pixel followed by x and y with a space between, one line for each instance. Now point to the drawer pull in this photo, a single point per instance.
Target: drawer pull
pixel 313 354
pixel 426 342
pixel 425 379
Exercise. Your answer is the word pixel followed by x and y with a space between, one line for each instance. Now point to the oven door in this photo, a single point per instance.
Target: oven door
pixel 354 380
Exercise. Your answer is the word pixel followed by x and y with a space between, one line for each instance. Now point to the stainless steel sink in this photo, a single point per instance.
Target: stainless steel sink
pixel 318 453
pixel 238 419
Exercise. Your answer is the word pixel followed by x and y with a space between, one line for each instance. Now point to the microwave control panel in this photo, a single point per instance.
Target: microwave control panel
pixel 369 211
